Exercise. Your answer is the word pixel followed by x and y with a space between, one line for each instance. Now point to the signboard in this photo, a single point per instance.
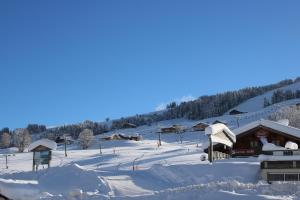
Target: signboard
pixel 42 157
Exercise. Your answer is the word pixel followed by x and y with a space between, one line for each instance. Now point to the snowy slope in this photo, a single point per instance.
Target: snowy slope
pixel 256 103
pixel 173 171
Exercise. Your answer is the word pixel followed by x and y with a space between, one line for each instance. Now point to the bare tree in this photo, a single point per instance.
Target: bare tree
pixel 5 140
pixel 85 138
pixel 22 139
pixel 292 113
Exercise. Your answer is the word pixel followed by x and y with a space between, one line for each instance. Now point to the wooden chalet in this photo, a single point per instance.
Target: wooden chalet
pixel 172 129
pixel 200 126
pixel 250 138
pixel 129 125
pixel 280 163
pixel 236 112
pixel 221 140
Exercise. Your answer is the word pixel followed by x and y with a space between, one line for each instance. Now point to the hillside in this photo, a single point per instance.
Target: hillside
pixel 257 103
pixel 174 170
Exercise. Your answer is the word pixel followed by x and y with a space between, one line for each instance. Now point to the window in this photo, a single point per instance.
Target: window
pixel 283 177
pixel 275 177
pixel 280 164
pixel 291 177
pixel 253 144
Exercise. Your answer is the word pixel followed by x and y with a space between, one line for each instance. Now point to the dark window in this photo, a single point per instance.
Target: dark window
pixel 291 177
pixel 280 164
pixel 276 142
pixel 253 144
pixel 287 153
pixel 275 177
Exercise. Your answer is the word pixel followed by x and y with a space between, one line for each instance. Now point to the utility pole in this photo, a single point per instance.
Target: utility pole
pixel 159 139
pixel 6 163
pixel 100 146
pixel 65 142
pixel 210 150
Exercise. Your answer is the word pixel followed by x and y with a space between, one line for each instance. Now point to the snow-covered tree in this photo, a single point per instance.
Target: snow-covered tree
pixel 292 113
pixel 22 139
pixel 5 140
pixel 85 138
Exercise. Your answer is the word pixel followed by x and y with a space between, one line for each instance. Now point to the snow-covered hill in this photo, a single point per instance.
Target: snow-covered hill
pixel 172 171
pixel 257 103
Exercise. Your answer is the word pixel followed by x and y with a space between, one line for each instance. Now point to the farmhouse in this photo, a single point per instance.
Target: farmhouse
pixel 172 129
pixel 251 137
pixel 129 125
pixel 200 126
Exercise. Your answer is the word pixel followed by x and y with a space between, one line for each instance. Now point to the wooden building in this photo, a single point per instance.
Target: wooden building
pixel 172 129
pixel 129 125
pixel 220 139
pixel 200 126
pixel 280 164
pixel 42 152
pixel 250 138
pixel 236 112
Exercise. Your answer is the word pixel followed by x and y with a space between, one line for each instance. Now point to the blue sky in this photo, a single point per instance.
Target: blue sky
pixel 67 61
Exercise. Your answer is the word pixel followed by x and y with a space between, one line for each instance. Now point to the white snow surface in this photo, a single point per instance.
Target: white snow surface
pixel 43 142
pixel 271 147
pixel 256 103
pixel 291 145
pixel 270 124
pixel 173 171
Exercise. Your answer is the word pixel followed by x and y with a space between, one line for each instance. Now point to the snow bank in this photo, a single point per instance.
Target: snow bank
pixel 66 179
pixel 291 145
pixel 44 142
pixel 19 189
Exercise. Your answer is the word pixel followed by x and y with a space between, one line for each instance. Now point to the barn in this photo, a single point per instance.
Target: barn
pixel 129 125
pixel 251 137
pixel 172 129
pixel 200 126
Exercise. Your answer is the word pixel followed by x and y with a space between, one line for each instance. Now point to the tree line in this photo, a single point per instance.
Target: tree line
pixel 204 107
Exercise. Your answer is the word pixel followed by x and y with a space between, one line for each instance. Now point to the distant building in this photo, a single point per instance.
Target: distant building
pixel 251 137
pixel 200 126
pixel 236 112
pixel 172 129
pixel 129 125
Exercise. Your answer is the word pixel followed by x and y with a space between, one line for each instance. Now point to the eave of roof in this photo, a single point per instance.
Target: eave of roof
pixel 269 124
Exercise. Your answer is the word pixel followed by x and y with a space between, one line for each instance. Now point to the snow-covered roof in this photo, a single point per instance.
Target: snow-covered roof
pixel 272 147
pixel 277 158
pixel 43 142
pixel 285 122
pixel 216 129
pixel 269 124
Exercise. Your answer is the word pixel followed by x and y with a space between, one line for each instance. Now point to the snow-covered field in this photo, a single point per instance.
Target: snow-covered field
pixel 172 171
